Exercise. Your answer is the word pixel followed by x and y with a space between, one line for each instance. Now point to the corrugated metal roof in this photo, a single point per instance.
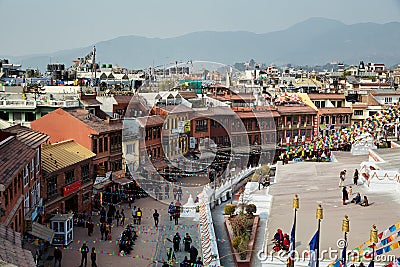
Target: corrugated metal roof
pixel 43 232
pixel 63 154
pixel 30 137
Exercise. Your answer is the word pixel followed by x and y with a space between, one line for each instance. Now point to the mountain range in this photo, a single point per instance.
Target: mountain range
pixel 311 42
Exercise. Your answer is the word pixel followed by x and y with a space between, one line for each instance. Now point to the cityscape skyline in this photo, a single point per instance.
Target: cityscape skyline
pixel 63 26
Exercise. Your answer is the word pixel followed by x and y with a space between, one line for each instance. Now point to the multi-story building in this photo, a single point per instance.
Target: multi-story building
pixel 98 132
pixel 67 173
pixel 20 176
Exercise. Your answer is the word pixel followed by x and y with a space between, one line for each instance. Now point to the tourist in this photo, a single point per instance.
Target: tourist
pixel 193 254
pixel 107 232
pixel 166 190
pixel 175 192
pixel 177 213
pixel 355 177
pixel 122 217
pixel 187 241
pixel 102 215
pixel 350 191
pixel 365 203
pixel 156 215
pixel 93 257
pixel 171 211
pixel 286 242
pixel 179 194
pixel 84 252
pixel 342 177
pixel 356 199
pixel 134 214
pixel 138 216
pixel 176 241
pixel 278 237
pixel 345 195
pixel 185 262
pixel 199 263
pixel 90 227
pixel 102 230
pixel 117 217
pixel 57 256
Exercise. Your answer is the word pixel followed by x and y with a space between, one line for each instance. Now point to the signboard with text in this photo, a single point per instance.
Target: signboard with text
pixel 69 189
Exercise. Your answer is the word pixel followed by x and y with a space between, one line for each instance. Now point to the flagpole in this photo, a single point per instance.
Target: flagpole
pixel 295 207
pixel 319 216
pixel 345 230
pixel 373 238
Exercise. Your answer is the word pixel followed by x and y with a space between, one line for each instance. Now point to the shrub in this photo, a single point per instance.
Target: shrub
pixel 229 209
pixel 237 240
pixel 251 209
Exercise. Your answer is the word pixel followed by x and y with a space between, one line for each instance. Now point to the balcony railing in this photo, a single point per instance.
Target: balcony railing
pixel 34 104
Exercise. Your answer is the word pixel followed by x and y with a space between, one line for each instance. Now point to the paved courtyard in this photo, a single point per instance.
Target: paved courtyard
pixel 318 183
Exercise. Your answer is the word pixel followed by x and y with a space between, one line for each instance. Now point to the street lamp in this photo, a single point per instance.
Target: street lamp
pixel 345 230
pixel 319 216
pixel 295 207
pixel 373 238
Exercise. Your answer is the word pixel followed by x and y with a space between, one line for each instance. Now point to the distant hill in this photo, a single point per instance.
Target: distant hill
pixel 311 42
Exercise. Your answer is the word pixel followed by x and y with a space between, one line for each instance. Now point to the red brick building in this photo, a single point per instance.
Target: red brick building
pixel 20 176
pixel 67 169
pixel 98 132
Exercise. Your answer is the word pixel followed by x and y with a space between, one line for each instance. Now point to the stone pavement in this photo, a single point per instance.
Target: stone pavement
pixel 318 182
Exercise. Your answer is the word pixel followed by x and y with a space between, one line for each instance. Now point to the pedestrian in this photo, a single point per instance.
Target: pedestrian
pixel 102 230
pixel 155 216
pixel 350 191
pixel 171 211
pixel 102 215
pixel 179 194
pixel 117 217
pixel 90 227
pixel 187 241
pixel 107 232
pixel 176 241
pixel 57 256
pixel 345 195
pixel 134 214
pixel 84 252
pixel 177 214
pixel 185 262
pixel 199 263
pixel 193 254
pixel 342 177
pixel 122 217
pixel 138 216
pixel 355 177
pixel 259 181
pixel 130 201
pixel 171 257
pixel 175 192
pixel 166 190
pixel 93 257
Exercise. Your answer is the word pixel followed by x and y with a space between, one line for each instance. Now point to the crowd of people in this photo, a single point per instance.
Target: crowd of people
pixel 347 192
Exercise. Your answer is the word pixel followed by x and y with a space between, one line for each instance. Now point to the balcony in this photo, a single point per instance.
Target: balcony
pixel 18 104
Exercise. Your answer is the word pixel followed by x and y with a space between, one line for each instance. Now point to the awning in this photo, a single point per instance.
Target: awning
pixel 123 181
pixel 101 185
pixel 42 232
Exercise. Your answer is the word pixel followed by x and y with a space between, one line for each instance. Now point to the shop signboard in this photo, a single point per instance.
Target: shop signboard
pixel 69 189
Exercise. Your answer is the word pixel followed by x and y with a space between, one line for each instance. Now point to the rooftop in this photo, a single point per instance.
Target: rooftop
pixel 94 122
pixel 325 111
pixel 326 96
pixel 150 121
pixel 296 109
pixel 30 137
pixel 176 108
pixel 63 154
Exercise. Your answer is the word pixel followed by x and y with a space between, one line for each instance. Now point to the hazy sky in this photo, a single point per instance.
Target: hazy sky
pixel 42 26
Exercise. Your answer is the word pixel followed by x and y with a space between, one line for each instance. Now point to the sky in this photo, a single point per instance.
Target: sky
pixel 44 26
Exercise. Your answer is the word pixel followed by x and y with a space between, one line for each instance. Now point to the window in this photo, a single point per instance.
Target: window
pixel 17 116
pixel 201 126
pixel 94 145
pixel 100 145
pixel 322 121
pixel 317 104
pixel 52 187
pixel 37 160
pixel 327 119
pixel 346 119
pixel 358 112
pixel 388 100
pixel 322 104
pixel 69 177
pixel 26 203
pixel 339 104
pixel 32 168
pixel 105 143
pixel 85 172
pixel 130 149
pixel 38 192
pixel 333 120
pixel 26 175
pixel 33 195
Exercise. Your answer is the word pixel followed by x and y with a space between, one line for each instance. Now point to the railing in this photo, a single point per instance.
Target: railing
pixel 34 103
pixel 18 103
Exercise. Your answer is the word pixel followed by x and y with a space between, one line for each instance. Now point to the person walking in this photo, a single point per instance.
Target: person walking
pixel 134 214
pixel 177 214
pixel 102 215
pixel 90 227
pixel 155 216
pixel 342 177
pixel 187 241
pixel 93 257
pixel 57 256
pixel 259 181
pixel 106 231
pixel 179 193
pixel 199 263
pixel 345 195
pixel 171 211
pixel 138 216
pixel 193 254
pixel 122 217
pixel 355 177
pixel 166 190
pixel 102 230
pixel 175 192
pixel 84 252
pixel 176 241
